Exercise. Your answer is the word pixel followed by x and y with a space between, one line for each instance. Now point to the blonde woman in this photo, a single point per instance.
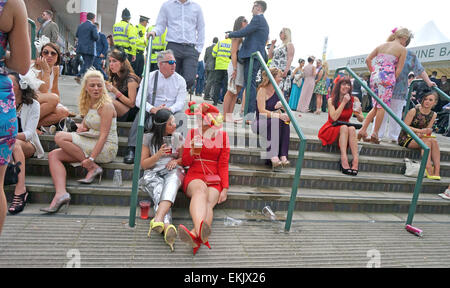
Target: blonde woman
pixel 320 88
pixel 388 61
pixel 282 57
pixel 94 142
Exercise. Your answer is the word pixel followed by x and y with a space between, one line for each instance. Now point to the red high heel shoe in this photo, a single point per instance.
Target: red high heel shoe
pixel 204 233
pixel 189 238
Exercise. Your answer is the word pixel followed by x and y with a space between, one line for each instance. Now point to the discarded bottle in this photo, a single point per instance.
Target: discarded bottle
pixel 414 230
pixel 268 213
pixel 228 221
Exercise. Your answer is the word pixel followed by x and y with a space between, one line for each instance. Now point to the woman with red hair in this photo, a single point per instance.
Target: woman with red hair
pixel 341 106
pixel 206 152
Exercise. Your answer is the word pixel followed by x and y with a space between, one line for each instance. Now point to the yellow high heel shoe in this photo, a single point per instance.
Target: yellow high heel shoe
pixel 157 226
pixel 170 235
pixel 431 176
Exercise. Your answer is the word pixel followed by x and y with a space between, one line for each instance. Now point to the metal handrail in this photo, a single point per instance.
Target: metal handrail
pixel 297 128
pixel 32 38
pixel 408 100
pixel 140 134
pixel 426 150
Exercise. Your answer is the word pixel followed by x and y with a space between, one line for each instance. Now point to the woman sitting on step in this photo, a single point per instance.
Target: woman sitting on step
pixel 341 106
pixel 421 120
pixel 94 142
pixel 27 141
pixel 163 175
pixel 206 152
pixel 46 67
pixel 124 85
pixel 271 118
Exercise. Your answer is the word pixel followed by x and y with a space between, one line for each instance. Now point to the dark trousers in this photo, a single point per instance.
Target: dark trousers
pixel 200 85
pixel 153 67
pixel 98 65
pixel 251 95
pixel 187 61
pixel 88 62
pixel 139 63
pixel 218 77
pixel 209 83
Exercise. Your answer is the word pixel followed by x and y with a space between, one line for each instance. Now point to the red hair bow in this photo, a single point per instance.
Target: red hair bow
pixel 337 79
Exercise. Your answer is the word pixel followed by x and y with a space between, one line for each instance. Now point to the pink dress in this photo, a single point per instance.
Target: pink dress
pixel 308 88
pixel 382 79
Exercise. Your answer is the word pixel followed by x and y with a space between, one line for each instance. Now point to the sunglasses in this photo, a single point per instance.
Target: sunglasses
pixel 52 53
pixel 170 62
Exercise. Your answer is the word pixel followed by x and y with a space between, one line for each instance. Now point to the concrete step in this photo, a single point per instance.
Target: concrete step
pixel 330 161
pixel 246 198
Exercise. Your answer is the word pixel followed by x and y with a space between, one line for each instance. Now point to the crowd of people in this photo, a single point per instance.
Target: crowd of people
pixel 30 100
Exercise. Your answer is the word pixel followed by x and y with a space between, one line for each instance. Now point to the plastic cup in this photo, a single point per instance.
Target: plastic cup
pixel 267 212
pixel 145 207
pixel 117 179
pixel 168 141
pixel 198 144
pixel 356 106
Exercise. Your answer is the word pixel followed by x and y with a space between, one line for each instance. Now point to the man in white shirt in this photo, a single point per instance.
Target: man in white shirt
pixel 185 34
pixel 170 94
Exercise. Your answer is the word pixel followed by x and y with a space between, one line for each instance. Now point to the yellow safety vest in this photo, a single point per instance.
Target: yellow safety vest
pixel 222 53
pixel 159 44
pixel 141 40
pixel 124 35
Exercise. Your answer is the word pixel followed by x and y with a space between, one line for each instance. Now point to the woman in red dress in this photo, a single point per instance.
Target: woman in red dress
pixel 341 106
pixel 206 152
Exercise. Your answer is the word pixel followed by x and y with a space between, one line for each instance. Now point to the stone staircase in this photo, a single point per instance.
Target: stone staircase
pixel 379 187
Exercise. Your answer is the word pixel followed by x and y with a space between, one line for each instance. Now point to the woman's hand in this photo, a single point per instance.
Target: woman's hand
pixel 284 117
pixel 109 86
pixel 88 164
pixel 81 129
pixel 163 151
pixel 278 105
pixel 347 98
pixel 234 74
pixel 42 63
pixel 223 196
pixel 426 131
pixel 172 164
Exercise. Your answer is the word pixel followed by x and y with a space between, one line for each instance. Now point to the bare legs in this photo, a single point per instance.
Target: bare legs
pixel 67 153
pixel 379 114
pixel 434 157
pixel 2 197
pixel 50 112
pixel 203 201
pixel 229 102
pixel 347 138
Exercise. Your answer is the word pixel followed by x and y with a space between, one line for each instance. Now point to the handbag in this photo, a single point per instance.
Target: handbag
pixel 412 168
pixel 232 86
pixel 149 121
pixel 12 173
pixel 210 179
pixel 339 123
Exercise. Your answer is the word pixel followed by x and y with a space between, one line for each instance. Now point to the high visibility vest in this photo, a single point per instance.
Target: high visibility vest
pixel 159 44
pixel 141 40
pixel 222 53
pixel 124 35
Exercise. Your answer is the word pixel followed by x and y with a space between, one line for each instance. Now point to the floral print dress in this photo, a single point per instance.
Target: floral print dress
pixel 382 80
pixel 8 117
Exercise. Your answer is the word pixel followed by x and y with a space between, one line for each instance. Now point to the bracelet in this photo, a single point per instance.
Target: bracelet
pixel 118 95
pixel 90 158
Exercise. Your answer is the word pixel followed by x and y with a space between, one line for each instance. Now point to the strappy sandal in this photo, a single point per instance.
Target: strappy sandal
pixel 18 203
pixel 170 235
pixel 155 226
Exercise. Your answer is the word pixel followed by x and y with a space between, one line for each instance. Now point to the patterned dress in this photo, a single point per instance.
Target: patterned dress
pixel 382 80
pixel 87 143
pixel 8 118
pixel 420 121
pixel 279 60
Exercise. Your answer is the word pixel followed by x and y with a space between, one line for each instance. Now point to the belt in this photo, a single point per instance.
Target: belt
pixel 184 44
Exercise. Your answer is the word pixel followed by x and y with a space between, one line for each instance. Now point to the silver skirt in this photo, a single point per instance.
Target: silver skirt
pixel 162 185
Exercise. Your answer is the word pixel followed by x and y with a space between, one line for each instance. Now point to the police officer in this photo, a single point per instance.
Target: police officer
pixel 141 44
pixel 222 53
pixel 124 35
pixel 159 44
